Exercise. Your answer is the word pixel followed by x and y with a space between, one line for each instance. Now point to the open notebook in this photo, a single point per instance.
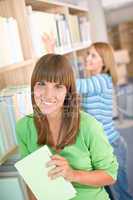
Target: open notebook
pixel 34 172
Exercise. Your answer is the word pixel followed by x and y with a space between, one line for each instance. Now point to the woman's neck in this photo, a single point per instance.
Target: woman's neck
pixel 55 123
pixel 54 117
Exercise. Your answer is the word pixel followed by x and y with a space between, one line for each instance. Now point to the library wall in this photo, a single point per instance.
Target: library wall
pixel 121 37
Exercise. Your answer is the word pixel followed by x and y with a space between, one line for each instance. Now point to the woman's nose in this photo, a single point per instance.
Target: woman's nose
pixel 88 58
pixel 48 93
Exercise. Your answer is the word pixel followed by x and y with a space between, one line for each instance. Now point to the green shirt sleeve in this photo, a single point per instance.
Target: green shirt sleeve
pixel 21 131
pixel 101 151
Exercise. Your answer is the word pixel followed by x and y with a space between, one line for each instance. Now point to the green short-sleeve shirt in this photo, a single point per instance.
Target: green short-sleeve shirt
pixel 91 151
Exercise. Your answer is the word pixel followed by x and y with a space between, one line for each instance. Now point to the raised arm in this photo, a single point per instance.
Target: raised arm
pixel 94 85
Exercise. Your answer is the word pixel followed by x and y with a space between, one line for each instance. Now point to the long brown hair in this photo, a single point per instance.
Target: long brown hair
pixel 56 68
pixel 105 50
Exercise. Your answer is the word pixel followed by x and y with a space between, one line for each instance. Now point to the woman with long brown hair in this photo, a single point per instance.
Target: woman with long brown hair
pixel 81 152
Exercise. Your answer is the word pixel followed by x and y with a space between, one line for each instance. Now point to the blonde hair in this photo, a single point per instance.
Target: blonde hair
pixel 105 51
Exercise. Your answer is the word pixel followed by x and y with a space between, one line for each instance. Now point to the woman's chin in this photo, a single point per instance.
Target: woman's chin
pixel 50 113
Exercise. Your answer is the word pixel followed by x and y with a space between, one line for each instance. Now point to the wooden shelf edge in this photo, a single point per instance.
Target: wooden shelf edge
pixel 17 65
pixel 58 4
pixel 75 47
pixel 82 45
pixel 61 50
pixel 9 153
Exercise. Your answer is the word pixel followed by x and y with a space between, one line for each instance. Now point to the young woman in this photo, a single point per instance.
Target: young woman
pixel 96 94
pixel 81 151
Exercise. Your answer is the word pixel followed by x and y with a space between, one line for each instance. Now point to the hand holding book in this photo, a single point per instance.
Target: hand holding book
pixel 62 168
pixel 34 171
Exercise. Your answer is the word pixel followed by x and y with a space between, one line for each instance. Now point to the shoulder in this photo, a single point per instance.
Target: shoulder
pixel 24 126
pixel 104 81
pixel 86 117
pixel 88 121
pixel 103 78
pixel 90 128
pixel 23 122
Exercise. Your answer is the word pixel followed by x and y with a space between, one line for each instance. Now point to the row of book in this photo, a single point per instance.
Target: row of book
pixel 10 46
pixel 15 102
pixel 67 31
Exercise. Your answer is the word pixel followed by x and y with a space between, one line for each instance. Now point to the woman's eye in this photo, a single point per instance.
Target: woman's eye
pixel 59 86
pixel 41 83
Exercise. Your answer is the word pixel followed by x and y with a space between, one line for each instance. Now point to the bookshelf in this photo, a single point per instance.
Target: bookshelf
pixel 8 154
pixel 20 57
pixel 11 184
pixel 55 6
pixel 17 65
pixel 20 72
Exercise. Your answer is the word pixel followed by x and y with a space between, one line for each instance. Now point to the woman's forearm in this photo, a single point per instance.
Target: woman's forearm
pixel 92 178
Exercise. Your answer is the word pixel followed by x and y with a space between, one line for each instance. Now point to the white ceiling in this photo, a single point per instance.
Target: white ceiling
pixel 107 4
pixel 113 4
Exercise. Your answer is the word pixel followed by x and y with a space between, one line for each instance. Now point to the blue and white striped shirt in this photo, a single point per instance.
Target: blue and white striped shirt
pixel 96 93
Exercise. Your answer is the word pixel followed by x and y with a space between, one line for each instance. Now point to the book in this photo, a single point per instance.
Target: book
pixel 35 173
pixel 40 23
pixel 85 29
pixel 74 29
pixel 18 99
pixel 63 31
pixel 14 38
pixel 2 147
pixel 6 126
pixel 5 50
pixel 10 47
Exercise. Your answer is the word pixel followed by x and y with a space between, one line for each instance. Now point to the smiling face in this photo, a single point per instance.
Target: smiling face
pixel 94 62
pixel 49 97
pixel 55 101
pixel 53 88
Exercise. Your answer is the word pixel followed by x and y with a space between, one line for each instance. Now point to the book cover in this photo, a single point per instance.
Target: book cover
pixel 5 50
pixel 35 173
pixel 13 34
pixel 40 23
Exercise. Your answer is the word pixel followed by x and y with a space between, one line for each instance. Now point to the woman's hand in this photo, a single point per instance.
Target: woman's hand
pixel 62 168
pixel 49 42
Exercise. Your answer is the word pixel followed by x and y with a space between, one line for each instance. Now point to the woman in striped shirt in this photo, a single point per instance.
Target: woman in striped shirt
pixel 96 91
